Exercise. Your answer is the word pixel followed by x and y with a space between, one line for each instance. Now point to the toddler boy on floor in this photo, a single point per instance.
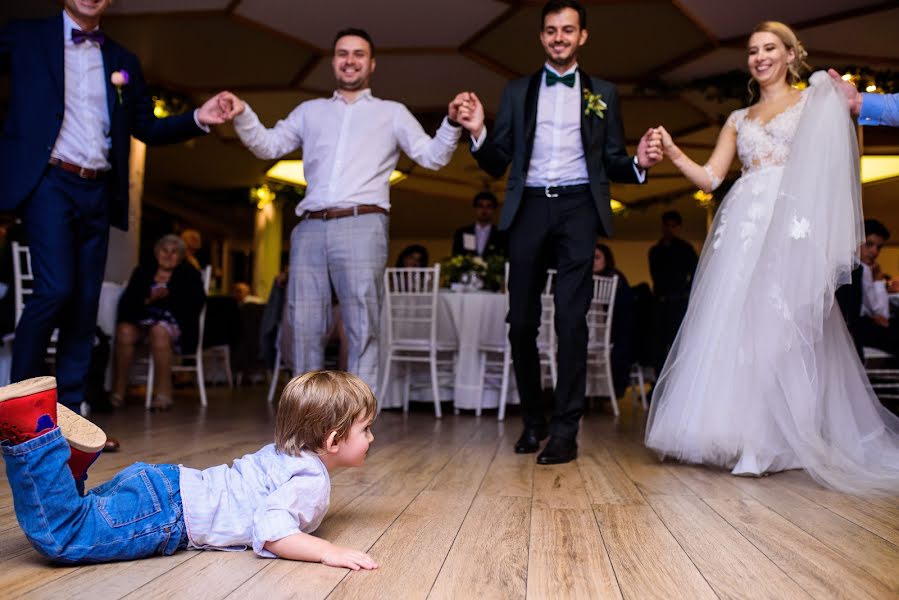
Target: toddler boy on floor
pixel 271 500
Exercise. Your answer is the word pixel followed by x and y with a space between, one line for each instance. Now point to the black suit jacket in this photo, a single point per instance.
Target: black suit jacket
pixel 496 242
pixel 512 141
pixel 34 52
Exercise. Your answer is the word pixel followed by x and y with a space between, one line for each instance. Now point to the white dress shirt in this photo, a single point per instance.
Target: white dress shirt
pixel 262 497
pixel 557 157
pixel 84 136
pixel 482 235
pixel 349 148
pixel 875 299
pixel 558 154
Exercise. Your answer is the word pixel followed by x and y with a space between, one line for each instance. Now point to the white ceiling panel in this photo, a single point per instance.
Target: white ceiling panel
pixel 731 18
pixel 391 23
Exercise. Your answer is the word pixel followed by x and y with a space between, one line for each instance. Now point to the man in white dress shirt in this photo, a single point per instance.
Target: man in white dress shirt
pixel 351 143
pixel 875 328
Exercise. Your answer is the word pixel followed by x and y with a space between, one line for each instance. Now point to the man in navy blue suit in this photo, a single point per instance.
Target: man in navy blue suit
pixel 76 99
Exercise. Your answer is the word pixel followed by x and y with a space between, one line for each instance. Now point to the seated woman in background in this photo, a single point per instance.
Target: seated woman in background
pixel 162 305
pixel 623 347
pixel 414 256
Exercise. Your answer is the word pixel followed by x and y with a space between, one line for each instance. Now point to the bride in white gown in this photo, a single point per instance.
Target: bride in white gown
pixel 763 375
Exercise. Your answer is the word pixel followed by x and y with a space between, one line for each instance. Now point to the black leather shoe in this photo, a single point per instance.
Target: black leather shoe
pixel 558 451
pixel 529 442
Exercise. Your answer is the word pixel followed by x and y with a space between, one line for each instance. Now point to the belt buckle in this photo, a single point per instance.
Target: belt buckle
pixel 325 215
pixel 548 193
pixel 82 172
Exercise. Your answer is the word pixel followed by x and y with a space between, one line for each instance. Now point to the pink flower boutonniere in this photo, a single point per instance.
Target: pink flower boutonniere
pixel 119 79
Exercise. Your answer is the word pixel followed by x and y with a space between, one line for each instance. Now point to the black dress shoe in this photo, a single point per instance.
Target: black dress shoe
pixel 112 445
pixel 558 451
pixel 529 442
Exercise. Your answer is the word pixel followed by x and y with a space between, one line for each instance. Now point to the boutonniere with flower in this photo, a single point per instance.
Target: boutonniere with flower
pixel 119 79
pixel 594 104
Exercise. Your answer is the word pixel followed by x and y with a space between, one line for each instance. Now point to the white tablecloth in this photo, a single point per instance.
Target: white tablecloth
pixel 469 319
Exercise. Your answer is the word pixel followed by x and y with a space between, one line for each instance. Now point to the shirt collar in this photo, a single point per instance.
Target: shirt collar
pixel 364 95
pixel 573 69
pixel 480 227
pixel 68 24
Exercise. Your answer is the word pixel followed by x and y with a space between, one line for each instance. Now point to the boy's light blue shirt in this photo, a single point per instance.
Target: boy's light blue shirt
pixel 262 497
pixel 880 109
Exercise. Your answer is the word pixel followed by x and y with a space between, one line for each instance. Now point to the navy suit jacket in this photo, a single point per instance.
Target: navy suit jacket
pixel 34 52
pixel 512 140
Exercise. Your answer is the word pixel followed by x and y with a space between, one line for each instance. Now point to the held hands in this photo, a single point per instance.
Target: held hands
pixel 220 109
pixel 216 110
pixel 649 150
pixel 467 110
pixel 348 558
pixel 847 90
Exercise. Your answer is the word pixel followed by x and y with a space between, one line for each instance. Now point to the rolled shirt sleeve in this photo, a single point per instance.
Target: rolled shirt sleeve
pixel 299 505
pixel 267 144
pixel 431 153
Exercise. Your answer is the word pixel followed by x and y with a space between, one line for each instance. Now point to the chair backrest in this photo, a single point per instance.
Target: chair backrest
pixel 207 278
pixel 602 307
pixel 546 337
pixel 410 296
pixel 23 276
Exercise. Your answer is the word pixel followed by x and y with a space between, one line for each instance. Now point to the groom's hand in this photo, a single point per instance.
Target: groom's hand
pixel 649 150
pixel 471 115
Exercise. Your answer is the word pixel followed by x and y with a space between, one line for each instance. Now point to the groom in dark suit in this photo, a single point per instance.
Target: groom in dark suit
pixel 76 99
pixel 561 131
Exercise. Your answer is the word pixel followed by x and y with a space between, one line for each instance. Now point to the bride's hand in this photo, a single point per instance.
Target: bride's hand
pixel 668 146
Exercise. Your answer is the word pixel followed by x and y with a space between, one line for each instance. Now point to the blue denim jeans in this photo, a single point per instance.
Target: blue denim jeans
pixel 136 514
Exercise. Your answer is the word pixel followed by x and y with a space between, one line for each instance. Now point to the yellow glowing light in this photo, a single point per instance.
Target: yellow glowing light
pixel 160 110
pixel 847 76
pixel 879 167
pixel 871 88
pixel 704 198
pixel 617 207
pixel 291 171
pixel 263 196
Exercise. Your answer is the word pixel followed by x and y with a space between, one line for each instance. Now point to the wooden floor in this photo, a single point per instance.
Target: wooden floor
pixel 450 511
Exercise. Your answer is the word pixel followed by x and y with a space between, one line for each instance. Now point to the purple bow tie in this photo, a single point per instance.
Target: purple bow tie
pixel 79 36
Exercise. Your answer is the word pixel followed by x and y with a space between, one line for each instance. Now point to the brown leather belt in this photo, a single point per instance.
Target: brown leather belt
pixel 339 213
pixel 80 171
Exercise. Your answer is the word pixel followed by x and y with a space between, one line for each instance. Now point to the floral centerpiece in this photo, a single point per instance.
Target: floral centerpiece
pixel 471 272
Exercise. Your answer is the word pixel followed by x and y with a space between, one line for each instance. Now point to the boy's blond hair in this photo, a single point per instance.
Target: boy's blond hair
pixel 317 403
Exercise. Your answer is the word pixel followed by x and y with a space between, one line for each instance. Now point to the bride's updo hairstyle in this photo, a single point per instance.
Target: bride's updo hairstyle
pixel 791 41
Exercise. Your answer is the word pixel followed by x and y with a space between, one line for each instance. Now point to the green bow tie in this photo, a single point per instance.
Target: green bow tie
pixel 552 79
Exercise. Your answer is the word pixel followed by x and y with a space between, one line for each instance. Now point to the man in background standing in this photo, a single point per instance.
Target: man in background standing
pixel 672 263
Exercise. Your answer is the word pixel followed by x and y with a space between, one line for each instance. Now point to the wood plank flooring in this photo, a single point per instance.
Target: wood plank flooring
pixel 450 511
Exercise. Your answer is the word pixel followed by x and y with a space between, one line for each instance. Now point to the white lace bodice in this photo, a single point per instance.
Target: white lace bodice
pixel 762 145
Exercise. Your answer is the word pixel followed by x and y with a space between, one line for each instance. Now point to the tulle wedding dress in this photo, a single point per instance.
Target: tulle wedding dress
pixel 763 375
